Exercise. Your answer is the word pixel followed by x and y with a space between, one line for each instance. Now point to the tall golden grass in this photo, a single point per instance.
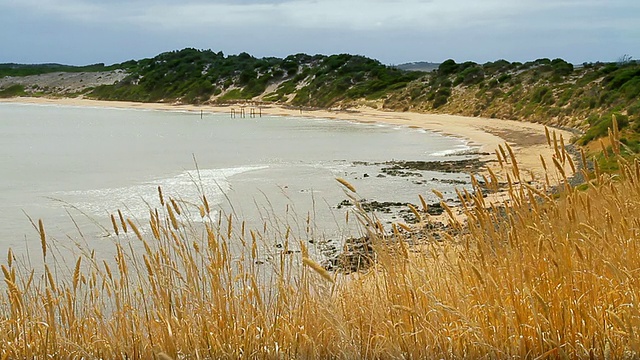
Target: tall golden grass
pixel 539 275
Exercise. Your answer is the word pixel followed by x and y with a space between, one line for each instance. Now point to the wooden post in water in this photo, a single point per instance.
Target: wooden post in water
pixel 233 112
pixel 260 109
pixel 200 114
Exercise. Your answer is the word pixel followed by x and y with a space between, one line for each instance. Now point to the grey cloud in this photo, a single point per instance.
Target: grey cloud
pixel 389 30
pixel 359 15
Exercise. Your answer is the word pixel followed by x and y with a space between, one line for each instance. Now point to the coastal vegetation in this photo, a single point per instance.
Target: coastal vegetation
pixel 528 268
pixel 12 91
pixel 194 76
pixel 552 92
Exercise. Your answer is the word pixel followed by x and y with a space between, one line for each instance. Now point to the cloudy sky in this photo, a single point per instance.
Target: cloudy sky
pixel 393 31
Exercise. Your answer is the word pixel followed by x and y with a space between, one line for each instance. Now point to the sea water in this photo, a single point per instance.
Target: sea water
pixel 75 166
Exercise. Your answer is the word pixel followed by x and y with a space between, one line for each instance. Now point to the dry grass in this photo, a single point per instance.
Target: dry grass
pixel 541 276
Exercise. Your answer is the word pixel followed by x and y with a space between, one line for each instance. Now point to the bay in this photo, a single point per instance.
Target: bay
pixel 75 166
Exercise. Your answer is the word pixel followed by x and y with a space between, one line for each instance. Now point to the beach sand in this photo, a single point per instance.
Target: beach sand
pixel 527 140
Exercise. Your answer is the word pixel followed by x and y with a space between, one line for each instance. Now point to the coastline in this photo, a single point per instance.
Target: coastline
pixel 528 140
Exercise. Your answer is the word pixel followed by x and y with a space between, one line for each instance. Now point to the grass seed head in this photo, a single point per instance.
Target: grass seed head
pixel 43 239
pixel 346 184
pixel 317 268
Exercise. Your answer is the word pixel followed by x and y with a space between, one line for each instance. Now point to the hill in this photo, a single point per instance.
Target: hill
pixel 192 76
pixel 551 92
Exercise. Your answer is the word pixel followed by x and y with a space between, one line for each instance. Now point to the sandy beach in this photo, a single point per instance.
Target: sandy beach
pixel 527 140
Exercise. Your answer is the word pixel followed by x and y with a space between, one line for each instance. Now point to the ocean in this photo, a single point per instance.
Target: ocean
pixel 73 167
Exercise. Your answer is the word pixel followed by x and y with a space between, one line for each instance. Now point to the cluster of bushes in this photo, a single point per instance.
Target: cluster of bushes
pixel 193 76
pixel 349 77
pixel 543 90
pixel 548 91
pixel 498 73
pixel 12 91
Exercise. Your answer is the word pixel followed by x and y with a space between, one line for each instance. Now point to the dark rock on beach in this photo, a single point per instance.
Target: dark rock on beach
pixel 387 207
pixel 467 165
pixel 357 254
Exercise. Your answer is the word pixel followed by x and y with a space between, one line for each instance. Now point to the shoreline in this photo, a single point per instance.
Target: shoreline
pixel 527 140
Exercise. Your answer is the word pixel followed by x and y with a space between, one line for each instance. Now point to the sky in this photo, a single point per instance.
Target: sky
pixel 81 32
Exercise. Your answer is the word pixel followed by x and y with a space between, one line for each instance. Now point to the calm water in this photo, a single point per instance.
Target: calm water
pixel 62 163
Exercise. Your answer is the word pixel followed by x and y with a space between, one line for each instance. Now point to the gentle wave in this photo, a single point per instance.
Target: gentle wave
pixel 136 201
pixel 458 150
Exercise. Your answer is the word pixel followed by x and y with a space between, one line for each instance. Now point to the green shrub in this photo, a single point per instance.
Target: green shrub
pixel 617 79
pixel 36 69
pixel 593 119
pixel 631 147
pixel 247 76
pixel 609 68
pixel 635 126
pixel 542 95
pixel 634 109
pixel 439 101
pixel 561 67
pixel 273 97
pixel 235 94
pixel 12 91
pixel 415 93
pixel 504 78
pixel 631 89
pixel 565 97
pixel 472 75
pixel 602 126
pixel 448 67
pixel 496 66
pixel 302 96
pixel 445 91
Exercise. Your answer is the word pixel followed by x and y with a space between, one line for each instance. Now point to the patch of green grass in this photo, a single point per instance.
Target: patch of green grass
pixel 234 94
pixel 601 126
pixel 542 95
pixel 13 91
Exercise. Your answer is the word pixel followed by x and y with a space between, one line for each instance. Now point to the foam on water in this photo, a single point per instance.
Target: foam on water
pixel 135 201
pixel 462 149
pixel 99 160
